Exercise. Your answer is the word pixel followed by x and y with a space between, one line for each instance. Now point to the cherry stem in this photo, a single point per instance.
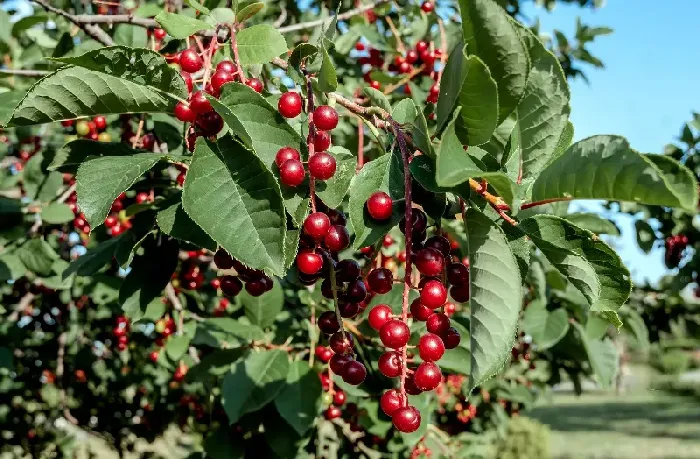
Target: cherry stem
pixel 310 138
pixel 207 61
pixel 408 215
pixel 500 206
pixel 234 48
pixel 360 144
pixel 541 203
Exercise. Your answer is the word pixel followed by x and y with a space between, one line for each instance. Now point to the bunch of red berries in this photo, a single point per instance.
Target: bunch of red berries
pixel 92 129
pixel 675 245
pixel 256 281
pixel 121 331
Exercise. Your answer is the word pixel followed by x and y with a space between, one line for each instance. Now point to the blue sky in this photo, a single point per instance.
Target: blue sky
pixel 648 89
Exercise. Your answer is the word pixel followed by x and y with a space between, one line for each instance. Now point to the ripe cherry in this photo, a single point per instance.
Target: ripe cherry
pixel 419 311
pixel 460 293
pixel 322 140
pixel 390 401
pixel 159 34
pixel 256 84
pixel 286 153
pixel 411 56
pixel 429 261
pixel 226 66
pixel 153 356
pixel 333 412
pixel 324 353
pixel 389 364
pixel 231 285
pixel 406 419
pixel 419 222
pixel 209 123
pixel 379 206
pixel 395 334
pixel 434 294
pixel 438 323
pixel 190 61
pixel 348 310
pixel 292 172
pixel 457 274
pixel 325 117
pixel 356 291
pixel 223 260
pixel 199 103
pixel 256 287
pixel 328 322
pixel 341 342
pixel 379 315
pixel 289 104
pixel 183 112
pixel 316 225
pixel 347 270
pixel 337 238
pixel 427 7
pixel 427 376
pixel 309 262
pixel 219 79
pixel 380 280
pixel 339 397
pixel 188 80
pixel 100 122
pixel 322 166
pixel 451 338
pixel 354 372
pixel 359 46
pixel 421 46
pixel 430 347
pixel 338 361
pixel 375 85
pixel 440 243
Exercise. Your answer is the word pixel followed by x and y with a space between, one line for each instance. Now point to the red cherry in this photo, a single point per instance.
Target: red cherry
pixel 190 61
pixel 457 274
pixel 421 46
pixel 231 286
pixel 226 66
pixel 379 206
pixel 148 141
pixel 159 34
pixel 337 238
pixel 354 372
pixel 438 323
pixel 434 294
pixel 286 153
pixel 322 166
pixel 333 412
pixel 328 322
pixel 348 270
pixel 141 198
pixel 375 85
pixel 380 280
pixel 341 342
pixel 419 311
pixel 111 221
pixel 405 67
pixel 430 347
pixel 339 397
pixel 359 46
pixel 316 225
pixel 325 117
pixel 440 243
pixel 411 56
pixel 430 262
pixel 348 310
pixel 322 140
pixel 379 315
pixel 324 353
pixel 389 364
pixel 390 401
pixel 256 287
pixel 451 338
pixel 199 103
pixel 223 260
pixel 219 79
pixel 406 419
pixel 356 291
pixel 289 104
pixel 292 172
pixel 183 112
pixel 338 361
pixel 427 7
pixel 395 334
pixel 256 84
pixel 309 262
pixel 209 123
pixel 153 356
pixel 427 376
pixel 100 122
pixel 460 293
pixel 188 80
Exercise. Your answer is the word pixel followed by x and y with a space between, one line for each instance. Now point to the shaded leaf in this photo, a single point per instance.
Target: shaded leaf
pixel 299 401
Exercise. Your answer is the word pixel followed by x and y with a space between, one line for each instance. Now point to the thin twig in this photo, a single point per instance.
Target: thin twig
pixel 66 194
pixel 237 60
pixel 360 143
pixel 282 17
pixel 90 28
pixel 177 305
pixel 541 203
pixel 399 44
pixel 310 139
pixel 391 88
pixel 341 17
pixel 24 73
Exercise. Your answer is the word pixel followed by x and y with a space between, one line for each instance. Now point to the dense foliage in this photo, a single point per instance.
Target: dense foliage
pixel 285 229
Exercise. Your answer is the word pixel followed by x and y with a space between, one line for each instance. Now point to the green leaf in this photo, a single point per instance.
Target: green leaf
pixel 176 346
pixel 236 201
pixel 404 112
pixel 542 115
pixel 602 356
pixel 588 263
pixel 153 311
pixel 261 128
pixel 495 296
pixel 327 78
pixel 593 223
pixel 490 35
pixel 173 220
pixel 8 102
pixel 646 236
pixel 332 192
pixel 149 274
pixel 226 332
pixel 115 79
pixel 545 327
pixel 451 84
pixel 605 167
pixel 377 98
pixel 101 180
pixel 263 309
pixel 249 11
pixel 180 26
pixel 479 99
pixel 383 174
pixel 11 267
pixel 197 6
pixel 260 44
pixel 38 256
pixel 57 213
pixel 254 382
pixel 455 166
pixel 299 401
pixel 94 259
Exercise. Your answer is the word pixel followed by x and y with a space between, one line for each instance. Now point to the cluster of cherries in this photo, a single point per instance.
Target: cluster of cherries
pixel 675 245
pixel 256 281
pixel 89 129
pixel 121 332
pixel 322 165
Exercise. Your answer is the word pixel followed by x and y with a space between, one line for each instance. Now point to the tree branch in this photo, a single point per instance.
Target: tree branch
pixel 89 28
pixel 25 73
pixel 340 17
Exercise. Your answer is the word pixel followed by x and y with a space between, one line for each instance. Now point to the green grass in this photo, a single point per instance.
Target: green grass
pixel 641 424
